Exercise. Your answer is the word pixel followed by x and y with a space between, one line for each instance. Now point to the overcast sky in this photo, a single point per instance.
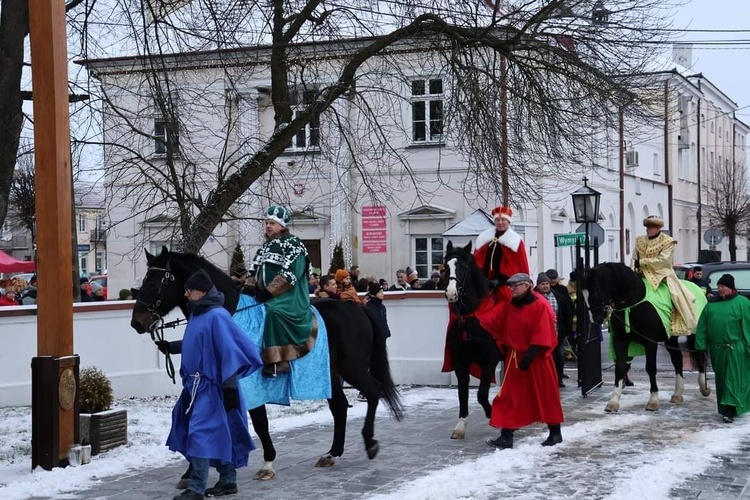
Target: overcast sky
pixel 728 67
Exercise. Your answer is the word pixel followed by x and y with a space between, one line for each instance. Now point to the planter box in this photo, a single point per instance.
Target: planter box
pixel 104 430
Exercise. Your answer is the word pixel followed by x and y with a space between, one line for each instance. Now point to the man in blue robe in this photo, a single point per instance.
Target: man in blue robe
pixel 209 421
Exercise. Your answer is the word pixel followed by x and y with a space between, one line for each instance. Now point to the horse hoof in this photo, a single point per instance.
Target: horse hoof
pixel 458 435
pixel 182 484
pixel 612 408
pixel 705 391
pixel 265 475
pixel 678 400
pixel 652 407
pixel 326 461
pixel 373 450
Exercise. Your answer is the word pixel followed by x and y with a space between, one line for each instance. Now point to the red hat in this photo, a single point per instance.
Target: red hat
pixel 504 212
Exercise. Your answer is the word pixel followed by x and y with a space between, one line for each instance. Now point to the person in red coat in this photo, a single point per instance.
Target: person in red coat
pixel 500 253
pixel 529 392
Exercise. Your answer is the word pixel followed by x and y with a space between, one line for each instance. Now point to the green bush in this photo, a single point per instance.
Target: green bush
pixel 337 260
pixel 95 391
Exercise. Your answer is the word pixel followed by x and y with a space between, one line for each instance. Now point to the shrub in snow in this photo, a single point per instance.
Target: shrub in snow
pixel 95 391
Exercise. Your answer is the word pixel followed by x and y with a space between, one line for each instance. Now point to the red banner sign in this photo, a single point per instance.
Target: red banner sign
pixel 374 232
pixel 375 247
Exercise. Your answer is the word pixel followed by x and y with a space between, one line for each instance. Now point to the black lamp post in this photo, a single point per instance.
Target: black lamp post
pixel 586 210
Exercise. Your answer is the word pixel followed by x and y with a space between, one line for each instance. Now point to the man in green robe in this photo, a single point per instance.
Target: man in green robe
pixel 281 269
pixel 724 329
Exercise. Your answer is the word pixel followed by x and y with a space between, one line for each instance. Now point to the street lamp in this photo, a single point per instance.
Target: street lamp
pixel 586 210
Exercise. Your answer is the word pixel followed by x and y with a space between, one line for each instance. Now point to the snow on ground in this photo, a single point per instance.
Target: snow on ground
pixel 589 463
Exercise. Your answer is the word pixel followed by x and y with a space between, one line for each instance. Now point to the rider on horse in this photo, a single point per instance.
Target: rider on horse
pixel 280 269
pixel 500 253
pixel 654 260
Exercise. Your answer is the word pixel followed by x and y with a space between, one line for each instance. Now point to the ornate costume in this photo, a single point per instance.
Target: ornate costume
pixel 654 257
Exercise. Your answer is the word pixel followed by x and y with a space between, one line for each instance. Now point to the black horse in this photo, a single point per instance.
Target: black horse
pixel 357 349
pixel 615 285
pixel 469 347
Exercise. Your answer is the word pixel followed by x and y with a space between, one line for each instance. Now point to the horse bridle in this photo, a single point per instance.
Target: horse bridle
pixel 156 318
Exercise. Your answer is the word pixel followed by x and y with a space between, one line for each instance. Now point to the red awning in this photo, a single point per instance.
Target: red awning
pixel 10 265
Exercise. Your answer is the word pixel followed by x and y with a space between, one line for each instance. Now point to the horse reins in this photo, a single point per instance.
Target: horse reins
pixel 156 319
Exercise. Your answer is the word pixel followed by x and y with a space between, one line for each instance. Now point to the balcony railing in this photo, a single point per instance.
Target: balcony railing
pixel 98 236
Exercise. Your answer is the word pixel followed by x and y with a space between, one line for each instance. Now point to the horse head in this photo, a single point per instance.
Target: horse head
pixel 467 286
pixel 163 287
pixel 612 284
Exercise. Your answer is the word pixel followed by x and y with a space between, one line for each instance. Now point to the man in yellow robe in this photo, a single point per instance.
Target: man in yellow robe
pixel 654 259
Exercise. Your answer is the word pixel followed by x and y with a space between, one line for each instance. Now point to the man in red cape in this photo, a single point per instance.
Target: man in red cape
pixel 529 391
pixel 499 253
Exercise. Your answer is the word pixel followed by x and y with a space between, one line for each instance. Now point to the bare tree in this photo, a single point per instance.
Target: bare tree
pixel 727 203
pixel 22 197
pixel 556 66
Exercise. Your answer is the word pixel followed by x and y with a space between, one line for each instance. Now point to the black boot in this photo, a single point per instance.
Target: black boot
pixel 505 441
pixel 555 436
pixel 728 413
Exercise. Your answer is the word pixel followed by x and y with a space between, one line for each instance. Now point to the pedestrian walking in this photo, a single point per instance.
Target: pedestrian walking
pixel 529 391
pixel 724 330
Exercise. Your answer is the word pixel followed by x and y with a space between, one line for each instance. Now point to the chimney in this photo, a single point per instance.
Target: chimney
pixel 682 54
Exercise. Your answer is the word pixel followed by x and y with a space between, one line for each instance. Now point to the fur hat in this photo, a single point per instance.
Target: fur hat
pixel 279 214
pixel 341 274
pixel 374 288
pixel 654 221
pixel 200 281
pixel 504 212
pixel 552 274
pixel 727 280
pixel 519 278
pixel 542 278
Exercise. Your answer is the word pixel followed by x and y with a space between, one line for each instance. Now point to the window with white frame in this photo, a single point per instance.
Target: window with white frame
pixel 83 263
pixel 427 110
pixel 428 254
pixel 100 265
pixel 82 222
pixel 657 170
pixel 166 123
pixel 300 98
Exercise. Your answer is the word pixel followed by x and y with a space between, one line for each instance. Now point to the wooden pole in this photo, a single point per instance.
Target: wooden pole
pixel 49 71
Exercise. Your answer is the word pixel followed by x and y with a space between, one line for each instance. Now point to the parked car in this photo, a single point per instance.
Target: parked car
pixel 102 280
pixel 23 276
pixel 712 271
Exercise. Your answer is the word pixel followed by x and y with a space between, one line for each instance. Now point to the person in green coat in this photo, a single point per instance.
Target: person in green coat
pixel 724 330
pixel 281 268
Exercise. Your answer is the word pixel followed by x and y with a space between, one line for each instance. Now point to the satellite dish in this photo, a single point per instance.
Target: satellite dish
pixel 713 236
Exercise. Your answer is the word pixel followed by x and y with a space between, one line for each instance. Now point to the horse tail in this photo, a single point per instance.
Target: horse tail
pixel 380 367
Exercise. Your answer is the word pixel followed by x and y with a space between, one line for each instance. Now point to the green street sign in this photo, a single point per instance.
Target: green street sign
pixel 570 239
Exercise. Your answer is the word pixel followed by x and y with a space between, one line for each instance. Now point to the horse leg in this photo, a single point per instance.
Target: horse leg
pixel 259 418
pixel 620 344
pixel 653 400
pixel 675 355
pixel 699 361
pixel 462 377
pixel 339 407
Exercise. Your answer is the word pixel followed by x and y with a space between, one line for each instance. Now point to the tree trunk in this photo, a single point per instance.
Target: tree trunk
pixel 14 26
pixel 732 235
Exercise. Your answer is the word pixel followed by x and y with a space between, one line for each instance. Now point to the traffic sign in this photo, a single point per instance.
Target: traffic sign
pixel 595 231
pixel 713 236
pixel 569 239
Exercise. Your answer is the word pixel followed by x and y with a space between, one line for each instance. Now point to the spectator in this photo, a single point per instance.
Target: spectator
pixel 28 294
pixel 528 337
pixel 313 283
pixel 401 284
pixel 209 421
pixel 375 302
pixel 85 289
pixel 328 287
pixel 8 298
pixel 383 283
pixel 563 308
pixel 434 282
pixel 724 330
pixel 354 274
pixel 97 292
pixel 125 294
pixel 345 288
pixel 363 284
pixel 412 278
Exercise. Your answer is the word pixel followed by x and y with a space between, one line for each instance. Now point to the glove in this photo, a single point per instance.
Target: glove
pixel 250 290
pixel 528 357
pixel 163 346
pixel 231 399
pixel 263 295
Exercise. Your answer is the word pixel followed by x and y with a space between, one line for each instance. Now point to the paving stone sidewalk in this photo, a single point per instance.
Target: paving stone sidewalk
pixel 421 444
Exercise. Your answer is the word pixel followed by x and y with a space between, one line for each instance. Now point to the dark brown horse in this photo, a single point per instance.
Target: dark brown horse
pixel 471 349
pixel 357 349
pixel 614 285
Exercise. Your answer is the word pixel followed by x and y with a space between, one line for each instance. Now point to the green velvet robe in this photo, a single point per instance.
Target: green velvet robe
pixel 282 265
pixel 724 329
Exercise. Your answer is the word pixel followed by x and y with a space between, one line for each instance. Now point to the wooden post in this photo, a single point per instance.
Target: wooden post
pixel 49 71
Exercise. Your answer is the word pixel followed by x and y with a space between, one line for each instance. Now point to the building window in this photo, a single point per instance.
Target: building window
pixel 428 253
pixel 100 264
pixel 166 136
pixel 657 170
pixel 154 247
pixel 83 263
pixel 719 132
pixel 309 137
pixel 82 225
pixel 703 120
pixel 427 110
pixel 712 127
